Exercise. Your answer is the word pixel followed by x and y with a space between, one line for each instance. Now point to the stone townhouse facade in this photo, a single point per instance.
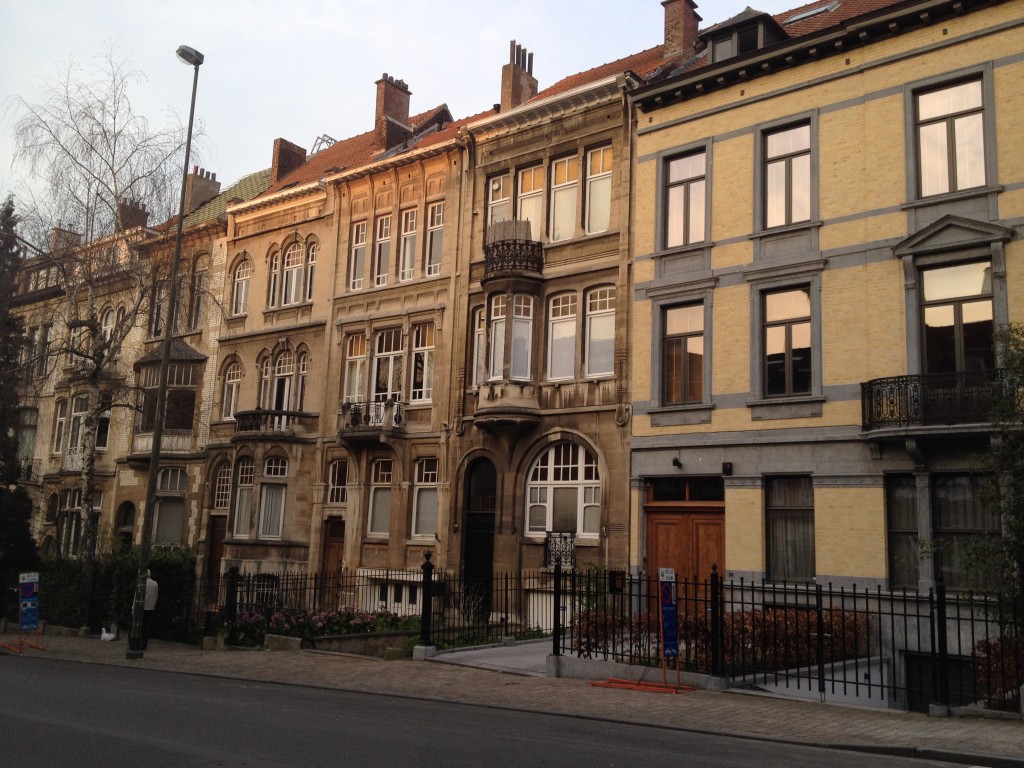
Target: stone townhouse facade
pixel 828 211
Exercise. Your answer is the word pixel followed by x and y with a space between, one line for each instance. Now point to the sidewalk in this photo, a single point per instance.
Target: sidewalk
pixel 972 741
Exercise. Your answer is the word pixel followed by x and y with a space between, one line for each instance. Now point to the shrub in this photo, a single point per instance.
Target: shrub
pixel 999 671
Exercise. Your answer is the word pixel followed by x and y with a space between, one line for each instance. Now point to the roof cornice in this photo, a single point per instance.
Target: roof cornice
pixel 852 33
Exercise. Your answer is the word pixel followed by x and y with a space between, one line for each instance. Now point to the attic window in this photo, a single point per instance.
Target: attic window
pixel 827 8
pixel 736 43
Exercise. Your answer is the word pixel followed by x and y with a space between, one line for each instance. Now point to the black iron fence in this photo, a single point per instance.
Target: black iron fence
pixel 899 650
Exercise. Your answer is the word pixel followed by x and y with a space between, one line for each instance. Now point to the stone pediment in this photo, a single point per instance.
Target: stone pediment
pixel 952 233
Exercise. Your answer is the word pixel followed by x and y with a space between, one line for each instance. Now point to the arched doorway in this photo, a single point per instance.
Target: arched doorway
pixel 478 533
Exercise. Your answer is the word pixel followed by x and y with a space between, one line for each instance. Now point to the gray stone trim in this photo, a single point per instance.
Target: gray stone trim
pixel 662 158
pixel 761 130
pixel 750 438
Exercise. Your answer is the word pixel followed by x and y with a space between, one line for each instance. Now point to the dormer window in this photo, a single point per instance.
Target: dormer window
pixel 736 43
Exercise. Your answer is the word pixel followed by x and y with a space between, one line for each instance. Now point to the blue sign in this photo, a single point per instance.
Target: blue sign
pixel 669 613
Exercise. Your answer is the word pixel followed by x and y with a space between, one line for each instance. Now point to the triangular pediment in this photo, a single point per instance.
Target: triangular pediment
pixel 952 233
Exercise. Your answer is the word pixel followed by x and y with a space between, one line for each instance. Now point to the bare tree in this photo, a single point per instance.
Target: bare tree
pixel 104 172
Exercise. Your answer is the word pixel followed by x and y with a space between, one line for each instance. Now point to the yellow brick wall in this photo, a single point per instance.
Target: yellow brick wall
pixel 849 531
pixel 744 529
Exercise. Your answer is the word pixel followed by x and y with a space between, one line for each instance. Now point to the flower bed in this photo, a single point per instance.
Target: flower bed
pixel 252 626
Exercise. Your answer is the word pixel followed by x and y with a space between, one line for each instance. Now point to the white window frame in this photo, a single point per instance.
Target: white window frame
pixel 273 498
pixel 310 268
pixel 59 425
pixel 380 488
pixel 600 303
pixel 522 337
pixel 499 199
pixel 222 487
pixel 274 278
pixel 408 256
pixel 561 466
pixel 422 385
pixel 563 309
pixel 426 488
pixel 600 162
pixel 232 386
pixel 435 239
pixel 357 258
pixel 291 274
pixel 240 287
pixel 479 360
pixel 530 199
pixel 337 482
pixel 246 471
pixel 355 368
pixel 382 249
pixel 565 181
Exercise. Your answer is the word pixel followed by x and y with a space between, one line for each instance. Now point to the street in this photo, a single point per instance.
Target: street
pixel 55 713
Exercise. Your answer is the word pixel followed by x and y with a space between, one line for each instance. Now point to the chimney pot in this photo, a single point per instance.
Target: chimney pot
pixel 682 24
pixel 517 81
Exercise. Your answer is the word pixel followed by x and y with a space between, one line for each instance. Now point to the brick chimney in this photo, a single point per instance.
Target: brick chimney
pixel 201 187
pixel 287 157
pixel 391 118
pixel 517 81
pixel 130 214
pixel 682 23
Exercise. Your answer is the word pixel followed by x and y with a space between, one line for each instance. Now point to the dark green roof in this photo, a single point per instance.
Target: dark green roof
pixel 244 189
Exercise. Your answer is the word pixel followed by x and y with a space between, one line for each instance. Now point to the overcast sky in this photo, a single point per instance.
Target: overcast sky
pixel 298 69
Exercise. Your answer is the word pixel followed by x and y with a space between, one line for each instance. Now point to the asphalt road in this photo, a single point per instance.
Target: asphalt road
pixel 58 714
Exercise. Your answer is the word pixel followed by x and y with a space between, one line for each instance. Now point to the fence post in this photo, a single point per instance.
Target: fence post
pixel 717 625
pixel 231 604
pixel 556 626
pixel 942 678
pixel 427 612
pixel 820 628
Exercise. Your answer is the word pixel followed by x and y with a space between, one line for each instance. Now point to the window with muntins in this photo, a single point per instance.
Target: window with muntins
pixel 408 258
pixel 599 334
pixel 355 368
pixel 599 190
pixel 789 527
pixel 387 366
pixel 435 239
pixel 499 199
pixel 379 523
pixel 382 250
pixel 563 492
pixel 272 501
pixel 958 318
pixel 59 425
pixel 950 138
pixel 357 259
pixel 562 337
pixel 564 191
pixel 243 497
pixel 240 287
pixel 682 357
pixel 530 201
pixel 337 483
pixel 291 284
pixel 424 514
pixel 787 342
pixel 479 361
pixel 232 385
pixel 787 176
pixel 685 199
pixel 422 362
pixel 222 487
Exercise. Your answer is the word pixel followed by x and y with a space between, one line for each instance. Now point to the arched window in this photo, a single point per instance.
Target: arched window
pixel 264 395
pixel 222 487
pixel 310 268
pixel 273 278
pixel 563 492
pixel 107 324
pixel 291 277
pixel 300 381
pixel 337 487
pixel 284 370
pixel 232 383
pixel 240 287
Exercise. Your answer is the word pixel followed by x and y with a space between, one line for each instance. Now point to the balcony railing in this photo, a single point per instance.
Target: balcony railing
pixel 511 248
pixel 371 414
pixel 271 422
pixel 965 397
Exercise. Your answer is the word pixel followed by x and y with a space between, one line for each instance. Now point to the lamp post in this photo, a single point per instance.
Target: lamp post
pixel 193 58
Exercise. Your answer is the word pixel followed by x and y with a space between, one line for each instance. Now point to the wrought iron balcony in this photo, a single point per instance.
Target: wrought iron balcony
pixel 368 419
pixel 561 548
pixel 511 249
pixel 965 397
pixel 254 424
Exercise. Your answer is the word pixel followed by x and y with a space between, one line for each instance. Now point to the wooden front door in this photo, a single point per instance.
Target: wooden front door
pixel 334 548
pixel 689 542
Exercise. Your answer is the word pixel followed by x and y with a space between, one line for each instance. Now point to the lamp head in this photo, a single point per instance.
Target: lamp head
pixel 190 56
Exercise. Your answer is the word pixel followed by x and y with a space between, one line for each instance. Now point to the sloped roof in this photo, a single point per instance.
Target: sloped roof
pixel 363 149
pixel 845 10
pixel 244 189
pixel 180 352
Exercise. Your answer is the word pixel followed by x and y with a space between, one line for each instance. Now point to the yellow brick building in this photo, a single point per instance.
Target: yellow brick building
pixel 827 220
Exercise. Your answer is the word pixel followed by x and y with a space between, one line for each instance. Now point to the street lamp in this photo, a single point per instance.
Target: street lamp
pixel 193 58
